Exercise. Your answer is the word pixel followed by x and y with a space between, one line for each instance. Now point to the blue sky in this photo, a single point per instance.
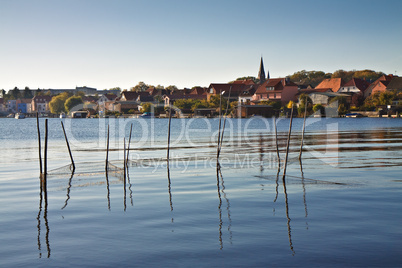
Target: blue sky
pixel 105 44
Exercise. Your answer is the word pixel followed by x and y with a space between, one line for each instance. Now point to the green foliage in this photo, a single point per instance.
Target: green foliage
pixel 171 88
pixel 27 94
pixel 71 102
pixel 318 107
pixel 80 93
pixel 185 104
pixel 57 105
pixel 15 93
pixel 140 87
pixel 146 107
pixel 312 78
pixel 362 74
pixel 380 99
pixel 199 104
pixel 254 79
pixel 277 105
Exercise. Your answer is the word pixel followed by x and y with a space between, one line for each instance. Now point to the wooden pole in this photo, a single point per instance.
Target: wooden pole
pixel 277 146
pixel 304 126
pixel 220 122
pixel 170 119
pixel 107 150
pixel 125 169
pixel 124 160
pixel 39 145
pixel 224 122
pixel 288 143
pixel 128 146
pixel 45 160
pixel 68 147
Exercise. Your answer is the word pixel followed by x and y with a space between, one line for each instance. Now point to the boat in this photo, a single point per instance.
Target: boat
pixel 353 115
pixel 62 115
pixel 19 116
pixel 146 114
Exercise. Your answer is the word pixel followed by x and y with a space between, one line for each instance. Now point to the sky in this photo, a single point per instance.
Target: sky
pixel 104 44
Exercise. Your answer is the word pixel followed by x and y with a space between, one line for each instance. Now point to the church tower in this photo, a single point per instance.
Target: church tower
pixel 261 73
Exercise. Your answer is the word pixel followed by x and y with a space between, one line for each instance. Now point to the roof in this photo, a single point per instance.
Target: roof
pixel 313 90
pixel 385 79
pixel 277 83
pixel 333 83
pixel 42 98
pixel 199 91
pixel 245 82
pixel 132 95
pixel 110 96
pixel 331 94
pixel 361 84
pixel 234 89
pixel 395 84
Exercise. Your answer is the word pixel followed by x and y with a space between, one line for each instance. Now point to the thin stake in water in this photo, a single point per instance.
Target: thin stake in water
pixel 40 154
pixel 68 147
pixel 304 126
pixel 288 143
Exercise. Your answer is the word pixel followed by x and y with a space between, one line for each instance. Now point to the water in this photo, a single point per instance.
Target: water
pixel 339 207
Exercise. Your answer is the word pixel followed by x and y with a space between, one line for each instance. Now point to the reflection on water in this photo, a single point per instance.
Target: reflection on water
pixel 242 165
pixel 43 196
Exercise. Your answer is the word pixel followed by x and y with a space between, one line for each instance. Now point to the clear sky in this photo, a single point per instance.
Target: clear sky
pixel 105 43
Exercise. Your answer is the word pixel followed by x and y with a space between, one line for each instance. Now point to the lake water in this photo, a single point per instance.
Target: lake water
pixel 340 206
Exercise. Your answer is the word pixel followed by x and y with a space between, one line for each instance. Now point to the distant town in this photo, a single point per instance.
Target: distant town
pixel 343 93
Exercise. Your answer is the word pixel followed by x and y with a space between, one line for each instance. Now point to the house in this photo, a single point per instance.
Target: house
pixel 24 105
pixel 246 96
pixel 324 97
pixel 379 85
pixel 11 106
pixel 89 91
pixel 276 89
pixel 232 89
pixel 395 84
pixel 2 107
pixel 131 95
pixel 170 99
pixel 316 96
pixel 103 99
pixel 245 111
pixel 355 85
pixel 332 83
pixel 41 103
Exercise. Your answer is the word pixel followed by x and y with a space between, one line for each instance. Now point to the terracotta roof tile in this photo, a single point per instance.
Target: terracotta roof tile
pixel 333 83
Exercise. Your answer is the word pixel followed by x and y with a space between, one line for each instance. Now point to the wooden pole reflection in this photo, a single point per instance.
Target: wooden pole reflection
pixel 220 204
pixel 288 143
pixel 68 189
pixel 304 192
pixel 43 197
pixel 287 216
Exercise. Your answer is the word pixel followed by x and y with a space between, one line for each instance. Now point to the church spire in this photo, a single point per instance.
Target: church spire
pixel 261 73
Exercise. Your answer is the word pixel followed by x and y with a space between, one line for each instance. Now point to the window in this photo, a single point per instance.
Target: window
pixel 270 88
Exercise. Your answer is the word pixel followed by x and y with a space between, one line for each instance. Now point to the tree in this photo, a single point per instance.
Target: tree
pixel 312 78
pixel 57 105
pixel 27 93
pixel 80 94
pixel 140 87
pixel 357 100
pixel 254 79
pixel 172 88
pixel 15 93
pixel 72 102
pixel 318 107
pixel 146 107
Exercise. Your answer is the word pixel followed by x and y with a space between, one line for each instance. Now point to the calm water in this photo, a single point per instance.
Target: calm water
pixel 341 206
